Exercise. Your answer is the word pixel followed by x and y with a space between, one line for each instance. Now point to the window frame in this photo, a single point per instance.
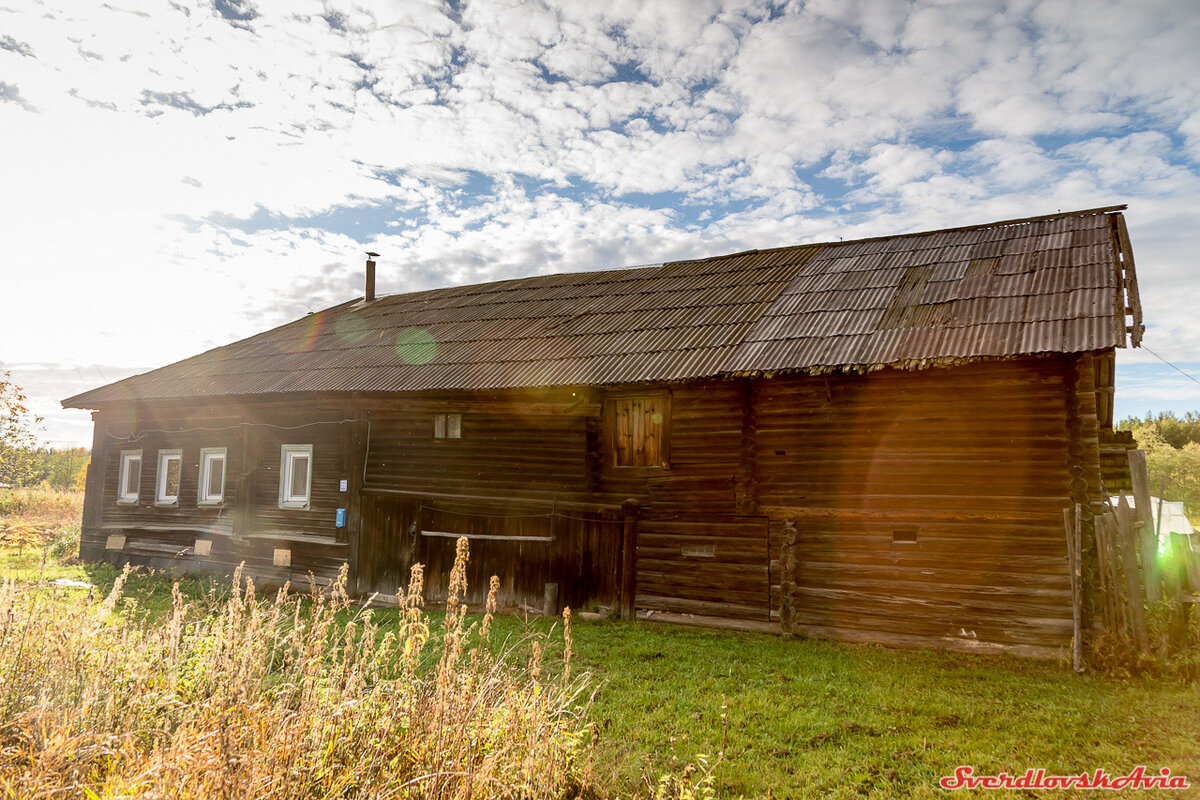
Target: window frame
pixel 203 495
pixel 447 425
pixel 287 454
pixel 124 498
pixel 165 455
pixel 610 424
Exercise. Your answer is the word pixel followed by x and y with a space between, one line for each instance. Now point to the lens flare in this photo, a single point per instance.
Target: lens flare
pixel 351 329
pixel 416 346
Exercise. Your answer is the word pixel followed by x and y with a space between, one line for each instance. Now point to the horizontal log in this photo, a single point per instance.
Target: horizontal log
pixel 756 545
pixel 707 608
pixel 747 597
pixel 702 621
pixel 801 513
pixel 890 638
pixel 486 536
pixel 565 503
pixel 698 566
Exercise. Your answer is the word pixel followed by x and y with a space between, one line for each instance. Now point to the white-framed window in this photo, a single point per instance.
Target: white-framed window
pixel 211 491
pixel 447 426
pixel 130 478
pixel 170 468
pixel 295 475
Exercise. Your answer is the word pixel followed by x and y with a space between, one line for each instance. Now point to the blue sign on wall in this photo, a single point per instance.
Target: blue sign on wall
pixel 341 518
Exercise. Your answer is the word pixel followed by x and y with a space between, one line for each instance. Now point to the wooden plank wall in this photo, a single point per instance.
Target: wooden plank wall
pixel 511 445
pixel 705 454
pixel 239 531
pixel 906 507
pixel 715 567
pixel 329 467
pixel 582 556
pixel 187 512
pixel 927 506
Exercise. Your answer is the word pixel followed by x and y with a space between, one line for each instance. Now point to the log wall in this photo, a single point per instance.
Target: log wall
pixel 525 546
pixel 925 507
pixel 248 527
pixel 918 507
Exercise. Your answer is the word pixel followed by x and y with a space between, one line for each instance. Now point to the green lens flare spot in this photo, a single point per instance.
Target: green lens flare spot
pixel 351 330
pixel 416 346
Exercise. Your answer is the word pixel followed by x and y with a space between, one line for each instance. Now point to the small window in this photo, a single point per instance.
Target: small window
pixel 295 475
pixel 638 426
pixel 130 477
pixel 170 463
pixel 447 426
pixel 212 476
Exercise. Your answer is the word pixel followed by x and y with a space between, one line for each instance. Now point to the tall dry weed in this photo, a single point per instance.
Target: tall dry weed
pixel 281 697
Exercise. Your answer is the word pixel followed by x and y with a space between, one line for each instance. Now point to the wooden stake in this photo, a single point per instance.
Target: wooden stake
pixel 1074 529
pixel 1147 535
pixel 1127 543
pixel 1178 628
pixel 629 559
pixel 1104 554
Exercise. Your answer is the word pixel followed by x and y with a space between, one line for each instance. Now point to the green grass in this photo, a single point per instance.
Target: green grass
pixel 804 718
pixel 825 720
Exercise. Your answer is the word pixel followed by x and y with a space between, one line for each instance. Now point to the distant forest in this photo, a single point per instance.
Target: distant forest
pixel 24 461
pixel 1172 446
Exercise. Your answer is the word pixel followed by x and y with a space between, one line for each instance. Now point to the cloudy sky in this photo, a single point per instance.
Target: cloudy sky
pixel 179 174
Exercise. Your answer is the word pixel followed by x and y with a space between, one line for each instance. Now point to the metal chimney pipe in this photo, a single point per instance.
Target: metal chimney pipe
pixel 369 295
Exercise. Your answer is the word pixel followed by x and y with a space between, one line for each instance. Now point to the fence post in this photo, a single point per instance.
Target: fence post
pixel 1179 580
pixel 629 558
pixel 1074 528
pixel 1127 543
pixel 1148 534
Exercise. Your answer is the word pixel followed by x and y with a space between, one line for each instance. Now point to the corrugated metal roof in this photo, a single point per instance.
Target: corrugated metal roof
pixel 1010 288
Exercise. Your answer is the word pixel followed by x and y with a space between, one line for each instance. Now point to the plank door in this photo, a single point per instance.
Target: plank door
pixel 715 566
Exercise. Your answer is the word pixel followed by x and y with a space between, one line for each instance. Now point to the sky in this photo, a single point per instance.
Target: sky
pixel 180 174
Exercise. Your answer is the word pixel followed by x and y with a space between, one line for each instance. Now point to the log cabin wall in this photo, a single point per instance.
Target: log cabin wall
pixel 1085 406
pixel 248 526
pixel 701 550
pixel 517 480
pixel 525 547
pixel 917 507
pixel 921 507
pixel 521 445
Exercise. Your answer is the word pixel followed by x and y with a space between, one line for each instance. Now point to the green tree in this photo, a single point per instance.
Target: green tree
pixel 60 468
pixel 79 479
pixel 1174 430
pixel 19 461
pixel 1178 466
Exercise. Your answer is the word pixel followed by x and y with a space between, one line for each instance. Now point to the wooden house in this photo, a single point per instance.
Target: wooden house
pixel 872 440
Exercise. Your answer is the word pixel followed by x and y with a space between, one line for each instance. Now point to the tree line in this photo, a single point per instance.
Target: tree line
pixel 1172 445
pixel 24 461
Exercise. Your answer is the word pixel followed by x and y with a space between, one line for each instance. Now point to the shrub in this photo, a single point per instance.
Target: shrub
pixel 45 507
pixel 1173 646
pixel 238 696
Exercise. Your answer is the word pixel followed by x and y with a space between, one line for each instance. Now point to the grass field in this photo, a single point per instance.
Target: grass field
pixel 799 718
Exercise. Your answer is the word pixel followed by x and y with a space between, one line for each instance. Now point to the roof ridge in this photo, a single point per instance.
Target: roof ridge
pixel 1002 223
pixel 978 226
pixel 675 311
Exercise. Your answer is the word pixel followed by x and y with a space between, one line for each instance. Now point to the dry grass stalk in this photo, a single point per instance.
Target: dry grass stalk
pixel 287 697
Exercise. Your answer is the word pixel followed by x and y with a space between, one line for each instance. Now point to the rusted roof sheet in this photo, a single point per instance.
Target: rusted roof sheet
pixel 1012 288
pixel 1016 288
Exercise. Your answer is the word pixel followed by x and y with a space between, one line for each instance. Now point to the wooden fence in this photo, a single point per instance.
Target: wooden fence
pixel 1131 571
